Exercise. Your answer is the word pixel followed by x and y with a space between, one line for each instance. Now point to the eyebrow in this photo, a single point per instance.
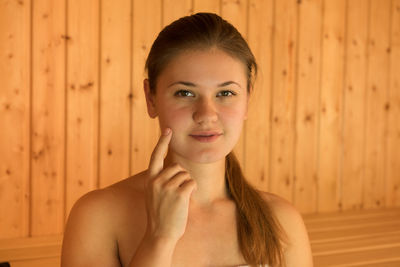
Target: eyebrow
pixel 194 85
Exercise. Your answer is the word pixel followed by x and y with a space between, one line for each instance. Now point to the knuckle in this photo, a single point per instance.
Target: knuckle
pixel 191 182
pixel 185 174
pixel 180 176
pixel 169 189
pixel 155 183
pixel 177 166
pixel 173 169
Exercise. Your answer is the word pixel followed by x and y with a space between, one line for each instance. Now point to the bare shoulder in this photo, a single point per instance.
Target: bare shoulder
pixel 288 216
pixel 90 236
pixel 282 208
pixel 102 204
pixel 298 250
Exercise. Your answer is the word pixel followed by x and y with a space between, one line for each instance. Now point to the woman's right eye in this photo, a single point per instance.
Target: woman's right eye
pixel 183 93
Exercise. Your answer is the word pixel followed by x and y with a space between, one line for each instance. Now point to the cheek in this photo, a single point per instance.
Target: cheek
pixel 233 116
pixel 174 118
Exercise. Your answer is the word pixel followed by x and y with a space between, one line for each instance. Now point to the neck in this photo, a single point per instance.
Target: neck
pixel 210 179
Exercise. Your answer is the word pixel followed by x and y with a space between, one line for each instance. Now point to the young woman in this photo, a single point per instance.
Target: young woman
pixel 193 208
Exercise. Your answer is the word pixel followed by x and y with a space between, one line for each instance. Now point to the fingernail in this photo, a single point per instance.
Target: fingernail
pixel 167 131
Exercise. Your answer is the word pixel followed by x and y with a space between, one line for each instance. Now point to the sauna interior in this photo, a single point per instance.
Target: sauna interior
pixel 323 129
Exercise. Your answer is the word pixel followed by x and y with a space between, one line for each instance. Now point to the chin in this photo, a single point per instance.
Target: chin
pixel 204 156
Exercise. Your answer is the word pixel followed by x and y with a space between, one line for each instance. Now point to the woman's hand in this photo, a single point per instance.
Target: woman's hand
pixel 168 192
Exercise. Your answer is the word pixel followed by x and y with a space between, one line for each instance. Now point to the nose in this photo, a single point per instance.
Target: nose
pixel 205 112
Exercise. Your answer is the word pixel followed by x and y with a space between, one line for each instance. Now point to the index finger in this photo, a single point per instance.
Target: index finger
pixel 157 157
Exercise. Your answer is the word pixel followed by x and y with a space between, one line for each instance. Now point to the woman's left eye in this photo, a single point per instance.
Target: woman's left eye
pixel 226 93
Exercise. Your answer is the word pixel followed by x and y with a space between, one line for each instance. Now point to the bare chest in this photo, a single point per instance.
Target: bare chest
pixel 209 240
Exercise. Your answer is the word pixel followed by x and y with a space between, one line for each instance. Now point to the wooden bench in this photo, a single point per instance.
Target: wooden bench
pixel 355 238
pixel 44 251
pixel 352 238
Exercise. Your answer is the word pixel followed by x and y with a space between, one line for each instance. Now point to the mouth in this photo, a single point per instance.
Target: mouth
pixel 206 137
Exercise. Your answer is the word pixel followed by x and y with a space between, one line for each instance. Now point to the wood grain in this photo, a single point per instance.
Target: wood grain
pixel 376 101
pixel 355 238
pixel 212 6
pixel 392 191
pixel 331 105
pixel 115 91
pixel 15 118
pixel 308 105
pixel 258 134
pixel 354 104
pixel 83 52
pixel 48 117
pixel 283 86
pixel 174 9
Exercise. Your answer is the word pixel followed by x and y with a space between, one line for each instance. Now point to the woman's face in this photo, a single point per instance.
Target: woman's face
pixel 202 97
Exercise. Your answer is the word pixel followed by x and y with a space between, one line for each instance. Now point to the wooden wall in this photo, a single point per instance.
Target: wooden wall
pixel 324 122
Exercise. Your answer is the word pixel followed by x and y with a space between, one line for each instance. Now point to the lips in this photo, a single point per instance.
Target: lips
pixel 206 136
pixel 205 133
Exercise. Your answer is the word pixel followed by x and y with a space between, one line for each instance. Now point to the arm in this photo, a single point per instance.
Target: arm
pixel 89 238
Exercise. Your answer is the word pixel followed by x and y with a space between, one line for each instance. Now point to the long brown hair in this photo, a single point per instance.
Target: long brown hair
pixel 260 235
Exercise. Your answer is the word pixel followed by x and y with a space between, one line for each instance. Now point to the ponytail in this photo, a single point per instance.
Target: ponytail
pixel 259 232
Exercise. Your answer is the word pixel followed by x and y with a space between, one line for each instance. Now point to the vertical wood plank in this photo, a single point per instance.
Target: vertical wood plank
pixel 115 92
pixel 82 99
pixel 15 45
pixel 283 86
pixel 175 9
pixel 258 133
pixel 48 117
pixel 354 103
pixel 212 6
pixel 307 117
pixel 235 11
pixel 147 21
pixel 393 145
pixel 377 93
pixel 331 105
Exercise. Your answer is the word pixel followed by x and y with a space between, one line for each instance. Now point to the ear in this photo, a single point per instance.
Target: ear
pixel 150 99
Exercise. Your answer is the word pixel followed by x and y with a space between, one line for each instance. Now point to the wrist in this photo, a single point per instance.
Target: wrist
pixel 154 251
pixel 160 241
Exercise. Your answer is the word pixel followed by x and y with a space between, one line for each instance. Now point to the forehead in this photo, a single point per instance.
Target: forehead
pixel 208 67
